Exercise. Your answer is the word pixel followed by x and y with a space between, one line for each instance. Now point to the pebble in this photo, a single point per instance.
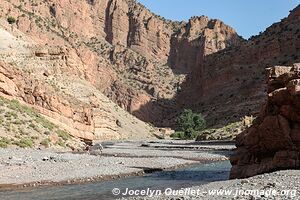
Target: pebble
pixel 271 184
pixel 45 159
pixel 244 181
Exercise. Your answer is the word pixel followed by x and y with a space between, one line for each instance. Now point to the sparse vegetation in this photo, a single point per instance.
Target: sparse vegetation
pixel 61 143
pixel 25 143
pixel 45 123
pixel 4 142
pixel 63 134
pixel 46 142
pixel 228 132
pixel 26 127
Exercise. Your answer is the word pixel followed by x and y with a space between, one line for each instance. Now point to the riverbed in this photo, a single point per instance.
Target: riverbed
pixel 34 174
pixel 174 179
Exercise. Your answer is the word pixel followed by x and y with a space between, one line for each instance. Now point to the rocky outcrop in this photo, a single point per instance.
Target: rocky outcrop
pixel 198 38
pixel 273 142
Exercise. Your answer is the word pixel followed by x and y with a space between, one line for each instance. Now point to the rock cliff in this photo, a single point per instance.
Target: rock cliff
pixel 50 80
pixel 86 52
pixel 123 49
pixel 272 143
pixel 230 83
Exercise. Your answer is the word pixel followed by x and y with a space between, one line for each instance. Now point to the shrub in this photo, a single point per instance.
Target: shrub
pixel 31 125
pixel 34 137
pixel 11 114
pixel 191 123
pixel 46 142
pixel 4 142
pixel 11 20
pixel 61 143
pixel 25 142
pixel 63 134
pixel 178 134
pixel 190 134
pixel 45 123
pixel 18 122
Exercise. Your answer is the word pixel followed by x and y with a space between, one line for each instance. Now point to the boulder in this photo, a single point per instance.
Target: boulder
pixel 277 71
pixel 96 150
pixel 294 87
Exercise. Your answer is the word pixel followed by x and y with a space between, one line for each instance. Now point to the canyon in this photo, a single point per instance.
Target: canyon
pixel 112 69
pixel 123 51
pixel 106 70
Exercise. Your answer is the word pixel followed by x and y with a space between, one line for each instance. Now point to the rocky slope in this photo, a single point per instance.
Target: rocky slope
pixel 39 76
pixel 272 143
pixel 23 127
pixel 123 49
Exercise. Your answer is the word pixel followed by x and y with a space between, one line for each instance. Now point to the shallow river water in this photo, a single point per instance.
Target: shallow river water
pixel 175 179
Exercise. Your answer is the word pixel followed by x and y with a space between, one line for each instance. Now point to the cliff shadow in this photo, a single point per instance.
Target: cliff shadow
pixel 220 106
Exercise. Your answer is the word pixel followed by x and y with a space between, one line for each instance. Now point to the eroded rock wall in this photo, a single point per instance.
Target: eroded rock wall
pixel 121 43
pixel 232 81
pixel 273 142
pixel 154 67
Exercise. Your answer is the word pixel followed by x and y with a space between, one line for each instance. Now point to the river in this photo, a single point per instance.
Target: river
pixel 175 179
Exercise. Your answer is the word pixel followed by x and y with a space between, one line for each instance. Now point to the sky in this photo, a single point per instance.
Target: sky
pixel 247 17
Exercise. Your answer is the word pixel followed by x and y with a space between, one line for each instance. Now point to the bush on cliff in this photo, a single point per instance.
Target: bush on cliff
pixel 190 124
pixel 11 20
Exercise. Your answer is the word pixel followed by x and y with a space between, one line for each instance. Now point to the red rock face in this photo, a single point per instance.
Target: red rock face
pixel 154 67
pixel 120 42
pixel 76 116
pixel 272 143
pixel 197 39
pixel 231 83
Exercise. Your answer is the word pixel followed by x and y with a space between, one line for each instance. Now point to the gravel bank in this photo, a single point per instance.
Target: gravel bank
pixel 25 168
pixel 277 185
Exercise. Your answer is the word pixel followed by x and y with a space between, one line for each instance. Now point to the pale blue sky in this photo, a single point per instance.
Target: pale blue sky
pixel 248 17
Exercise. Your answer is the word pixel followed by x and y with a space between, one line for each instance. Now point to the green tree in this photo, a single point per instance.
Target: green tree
pixel 191 123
